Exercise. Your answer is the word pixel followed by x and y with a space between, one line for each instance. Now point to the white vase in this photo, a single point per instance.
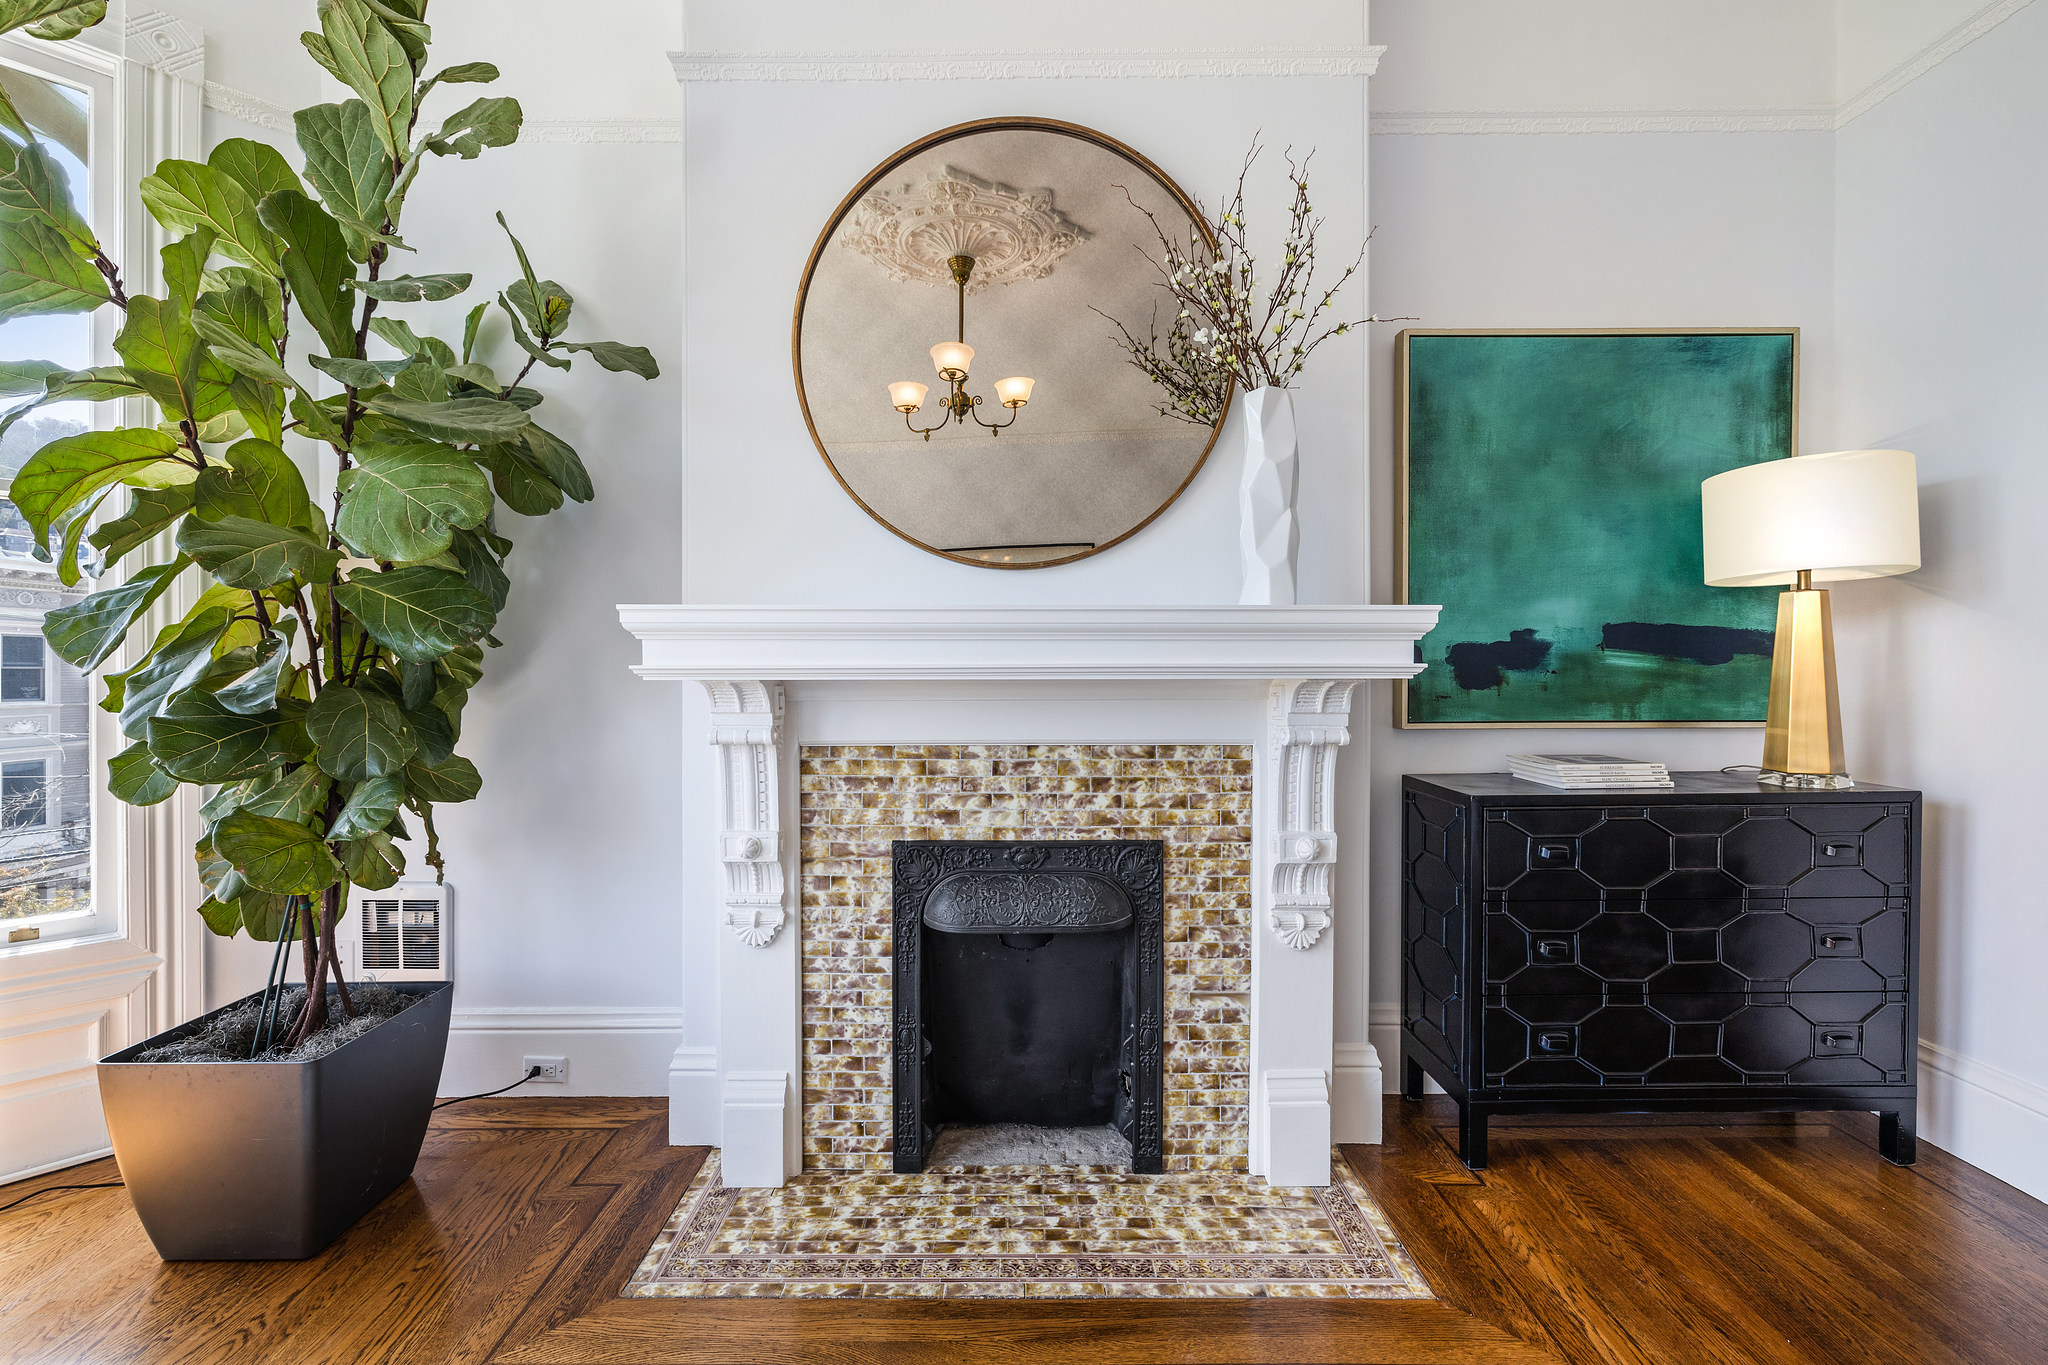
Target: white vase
pixel 1262 424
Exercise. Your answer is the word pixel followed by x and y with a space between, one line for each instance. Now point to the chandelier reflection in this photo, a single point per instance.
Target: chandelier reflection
pixel 951 359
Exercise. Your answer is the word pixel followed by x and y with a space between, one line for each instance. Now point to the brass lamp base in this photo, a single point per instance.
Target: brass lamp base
pixel 1803 732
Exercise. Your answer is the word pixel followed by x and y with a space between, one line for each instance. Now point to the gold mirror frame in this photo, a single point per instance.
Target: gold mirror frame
pixel 1016 123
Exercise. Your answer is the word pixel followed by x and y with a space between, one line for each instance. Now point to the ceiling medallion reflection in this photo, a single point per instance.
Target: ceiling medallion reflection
pixel 914 232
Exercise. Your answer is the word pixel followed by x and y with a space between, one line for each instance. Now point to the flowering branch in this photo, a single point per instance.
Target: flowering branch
pixel 1224 330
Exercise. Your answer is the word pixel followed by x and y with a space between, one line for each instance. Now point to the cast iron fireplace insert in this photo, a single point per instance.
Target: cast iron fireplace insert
pixel 1030 987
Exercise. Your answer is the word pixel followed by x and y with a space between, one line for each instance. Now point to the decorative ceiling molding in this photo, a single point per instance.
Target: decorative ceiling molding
pixel 590 131
pixel 1812 119
pixel 941 66
pixel 166 43
pixel 912 231
pixel 257 113
pixel 1927 58
pixel 1819 118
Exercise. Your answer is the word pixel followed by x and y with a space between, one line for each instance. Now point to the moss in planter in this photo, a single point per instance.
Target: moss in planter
pixel 226 1036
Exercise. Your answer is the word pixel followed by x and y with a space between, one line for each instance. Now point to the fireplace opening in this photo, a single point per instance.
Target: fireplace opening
pixel 1029 999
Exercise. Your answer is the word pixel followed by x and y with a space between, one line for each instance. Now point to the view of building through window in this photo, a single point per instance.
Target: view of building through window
pixel 46 771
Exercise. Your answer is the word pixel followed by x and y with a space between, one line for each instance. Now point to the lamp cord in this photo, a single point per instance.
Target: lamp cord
pixel 531 1072
pixel 52 1189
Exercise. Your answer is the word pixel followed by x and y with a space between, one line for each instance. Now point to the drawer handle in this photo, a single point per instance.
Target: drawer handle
pixel 1838 1040
pixel 1553 947
pixel 1551 853
pixel 1834 940
pixel 1837 850
pixel 1554 1042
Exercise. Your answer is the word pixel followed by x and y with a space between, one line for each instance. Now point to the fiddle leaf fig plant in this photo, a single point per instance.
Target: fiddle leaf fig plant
pixel 316 685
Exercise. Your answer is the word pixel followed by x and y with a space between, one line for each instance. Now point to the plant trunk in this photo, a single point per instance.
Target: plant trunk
pixel 313 1014
pixel 330 916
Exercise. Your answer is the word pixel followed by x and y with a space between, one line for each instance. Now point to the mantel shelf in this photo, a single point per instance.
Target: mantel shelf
pixel 799 643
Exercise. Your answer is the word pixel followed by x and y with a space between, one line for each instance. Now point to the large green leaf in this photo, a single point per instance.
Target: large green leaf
pixel 260 481
pixel 85 634
pixel 133 776
pixel 150 512
pixel 419 613
pixel 237 328
pixel 183 195
pixel 518 480
pixel 185 267
pixel 276 855
pixel 199 740
pixel 67 471
pixel 369 59
pixel 358 374
pixel 559 462
pixel 468 71
pixel 456 779
pixel 434 731
pixel 316 262
pixel 481 568
pixel 52 20
pixel 41 274
pixel 414 288
pixel 472 420
pixel 27 377
pixel 489 122
pixel 402 502
pixel 161 352
pixel 404 339
pixel 615 355
pixel 373 861
pixel 526 343
pixel 545 306
pixel 33 188
pixel 178 665
pixel 260 912
pixel 369 808
pixel 256 691
pixel 347 163
pixel 58 385
pixel 422 382
pixel 245 553
pixel 259 168
pixel 360 734
pixel 294 794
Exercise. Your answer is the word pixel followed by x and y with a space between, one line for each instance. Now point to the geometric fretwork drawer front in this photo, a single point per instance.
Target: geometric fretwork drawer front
pixel 1708 947
pixel 1698 852
pixel 1806 1038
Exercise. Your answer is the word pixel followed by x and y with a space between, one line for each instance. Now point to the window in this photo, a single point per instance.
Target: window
pixel 48 793
pixel 25 794
pixel 21 668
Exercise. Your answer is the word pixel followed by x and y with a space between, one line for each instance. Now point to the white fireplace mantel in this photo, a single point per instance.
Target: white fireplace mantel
pixel 1310 660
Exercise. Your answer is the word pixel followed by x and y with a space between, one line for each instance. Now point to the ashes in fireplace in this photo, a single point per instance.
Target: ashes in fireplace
pixel 1030 987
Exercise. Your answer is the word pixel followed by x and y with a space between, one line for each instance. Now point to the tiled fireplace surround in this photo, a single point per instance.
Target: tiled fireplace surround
pixel 836 730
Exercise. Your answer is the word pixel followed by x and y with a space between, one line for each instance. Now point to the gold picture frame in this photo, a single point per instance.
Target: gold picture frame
pixel 1404 710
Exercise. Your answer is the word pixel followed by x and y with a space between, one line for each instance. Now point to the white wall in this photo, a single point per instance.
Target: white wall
pixel 1942 278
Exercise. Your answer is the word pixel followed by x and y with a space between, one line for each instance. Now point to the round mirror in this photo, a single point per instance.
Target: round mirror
pixel 957 350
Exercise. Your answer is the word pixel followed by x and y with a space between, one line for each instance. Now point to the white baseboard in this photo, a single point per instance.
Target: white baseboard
pixel 1355 1090
pixel 612 1050
pixel 695 1115
pixel 1987 1116
pixel 1385 1031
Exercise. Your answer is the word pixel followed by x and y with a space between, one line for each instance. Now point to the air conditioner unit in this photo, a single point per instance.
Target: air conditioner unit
pixel 398 934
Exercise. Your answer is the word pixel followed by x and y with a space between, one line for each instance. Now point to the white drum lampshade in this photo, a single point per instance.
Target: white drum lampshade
pixel 1847 514
pixel 1811 518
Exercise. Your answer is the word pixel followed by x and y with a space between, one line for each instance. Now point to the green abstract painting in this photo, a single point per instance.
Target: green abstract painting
pixel 1552 507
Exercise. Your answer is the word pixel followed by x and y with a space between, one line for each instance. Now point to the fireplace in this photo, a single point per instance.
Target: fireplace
pixel 1029 988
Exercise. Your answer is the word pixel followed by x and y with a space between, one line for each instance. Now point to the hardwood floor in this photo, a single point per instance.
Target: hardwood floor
pixel 1749 1239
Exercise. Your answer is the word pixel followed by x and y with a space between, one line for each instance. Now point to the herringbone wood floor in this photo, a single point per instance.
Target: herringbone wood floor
pixel 1636 1242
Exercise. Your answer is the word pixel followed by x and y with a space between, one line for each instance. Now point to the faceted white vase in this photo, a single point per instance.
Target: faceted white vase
pixel 1262 423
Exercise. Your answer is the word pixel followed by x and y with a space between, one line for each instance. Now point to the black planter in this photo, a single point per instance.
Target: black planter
pixel 271 1161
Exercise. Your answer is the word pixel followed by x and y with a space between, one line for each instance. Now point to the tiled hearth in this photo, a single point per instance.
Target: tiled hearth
pixel 855 799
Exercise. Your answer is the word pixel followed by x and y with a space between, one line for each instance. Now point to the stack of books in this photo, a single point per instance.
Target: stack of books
pixel 1578 771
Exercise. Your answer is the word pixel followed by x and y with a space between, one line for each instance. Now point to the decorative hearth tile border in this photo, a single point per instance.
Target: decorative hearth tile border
pixel 1027 1232
pixel 856 799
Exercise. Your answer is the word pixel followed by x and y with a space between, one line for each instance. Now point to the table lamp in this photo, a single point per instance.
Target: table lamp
pixel 1800 521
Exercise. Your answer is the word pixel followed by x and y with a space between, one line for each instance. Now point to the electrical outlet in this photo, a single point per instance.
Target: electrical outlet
pixel 551 1068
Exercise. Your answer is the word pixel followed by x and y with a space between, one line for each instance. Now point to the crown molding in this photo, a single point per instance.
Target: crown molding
pixel 1810 119
pixel 581 132
pixel 1927 58
pixel 165 43
pixel 942 66
pixel 257 113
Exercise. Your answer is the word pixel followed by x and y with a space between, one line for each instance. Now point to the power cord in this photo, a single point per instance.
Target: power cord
pixel 531 1072
pixel 52 1189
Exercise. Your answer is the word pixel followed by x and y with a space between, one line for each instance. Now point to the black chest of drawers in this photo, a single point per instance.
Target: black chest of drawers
pixel 1721 945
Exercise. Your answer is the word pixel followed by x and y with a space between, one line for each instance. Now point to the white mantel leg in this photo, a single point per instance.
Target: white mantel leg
pixel 760 1046
pixel 1294 957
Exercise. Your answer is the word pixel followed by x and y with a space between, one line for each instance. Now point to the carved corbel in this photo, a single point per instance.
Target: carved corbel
pixel 1310 721
pixel 746 727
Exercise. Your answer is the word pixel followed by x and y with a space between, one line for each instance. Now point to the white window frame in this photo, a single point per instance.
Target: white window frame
pixel 135 965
